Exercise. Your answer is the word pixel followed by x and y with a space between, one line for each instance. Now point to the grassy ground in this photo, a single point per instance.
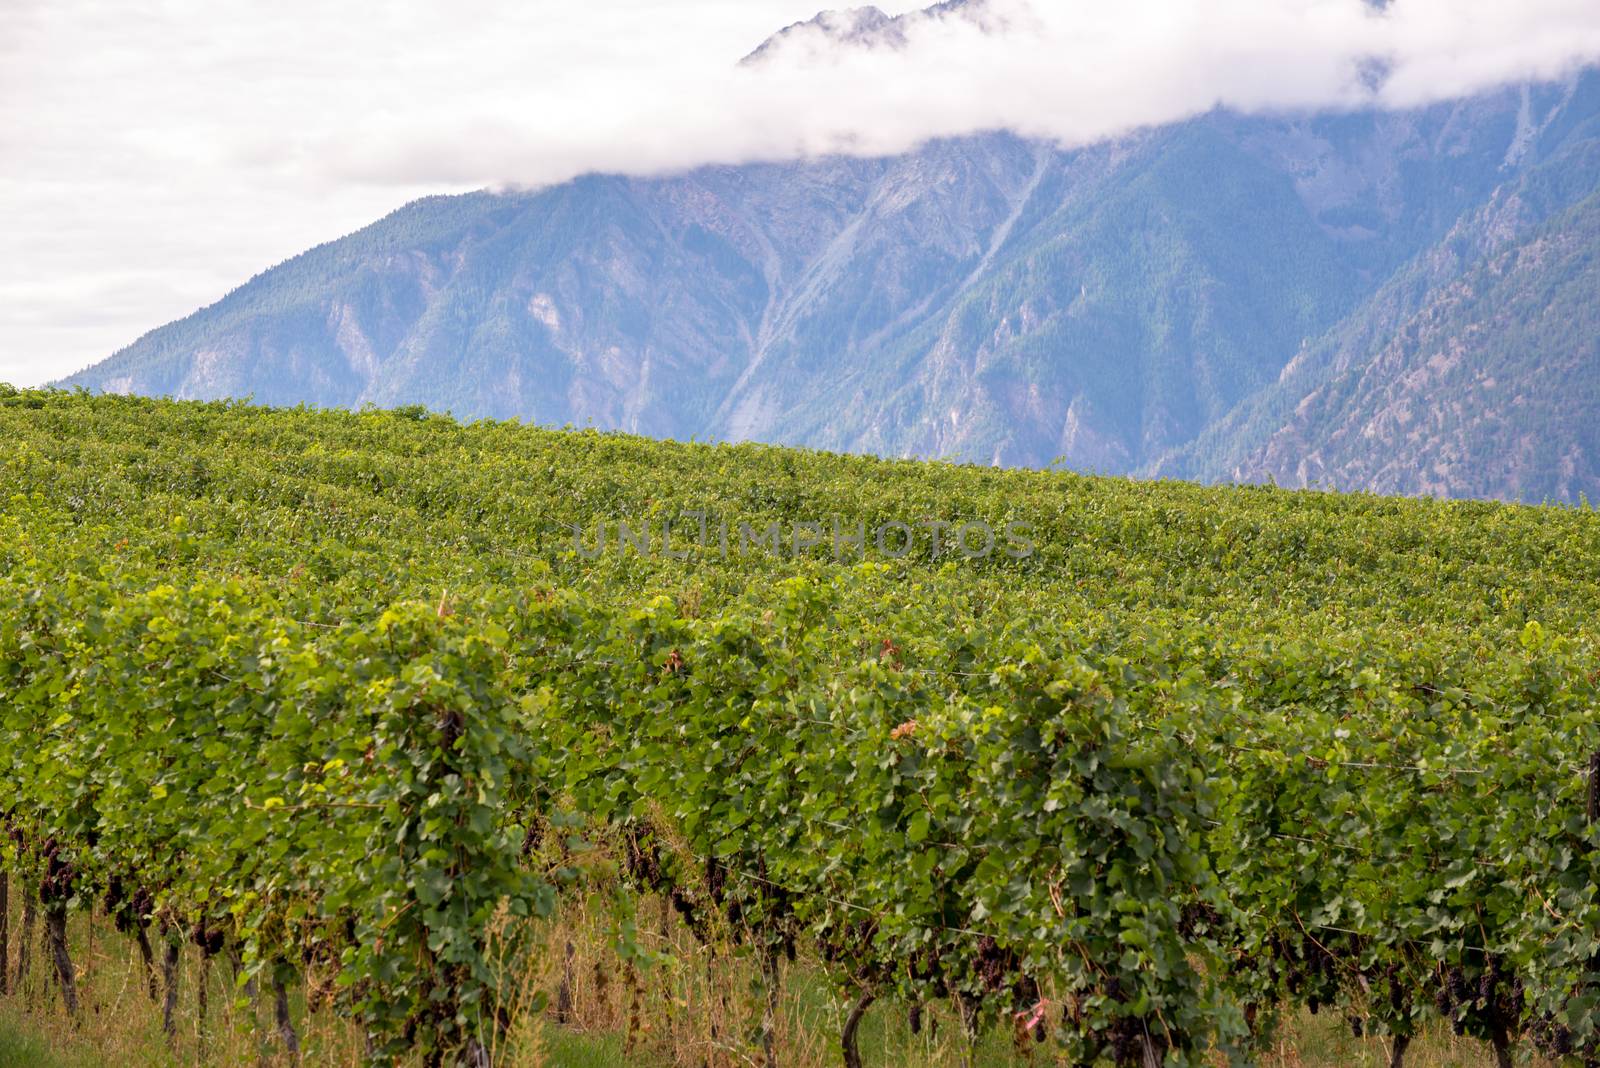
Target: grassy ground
pixel 21 1050
pixel 692 1010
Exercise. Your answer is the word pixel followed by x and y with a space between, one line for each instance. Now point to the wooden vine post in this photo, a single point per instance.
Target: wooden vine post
pixel 1594 788
pixel 55 892
pixel 5 931
pixel 850 1038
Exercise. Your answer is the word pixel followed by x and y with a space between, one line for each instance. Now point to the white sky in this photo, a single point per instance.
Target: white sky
pixel 156 153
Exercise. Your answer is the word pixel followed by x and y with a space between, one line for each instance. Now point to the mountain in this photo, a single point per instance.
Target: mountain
pixel 866 27
pixel 1491 388
pixel 1231 297
pixel 1471 372
pixel 859 26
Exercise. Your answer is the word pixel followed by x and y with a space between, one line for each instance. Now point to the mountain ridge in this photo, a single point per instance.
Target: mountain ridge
pixel 865 27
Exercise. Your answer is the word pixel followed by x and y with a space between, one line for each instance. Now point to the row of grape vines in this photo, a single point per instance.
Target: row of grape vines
pixel 328 693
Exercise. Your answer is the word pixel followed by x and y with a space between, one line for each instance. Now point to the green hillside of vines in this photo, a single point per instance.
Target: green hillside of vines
pixel 328 691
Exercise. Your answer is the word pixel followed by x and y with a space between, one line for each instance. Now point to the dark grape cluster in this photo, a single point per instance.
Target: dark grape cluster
pixel 1555 1040
pixel 1486 1002
pixel 129 910
pixel 55 887
pixel 1309 970
pixel 210 938
pixel 1127 1039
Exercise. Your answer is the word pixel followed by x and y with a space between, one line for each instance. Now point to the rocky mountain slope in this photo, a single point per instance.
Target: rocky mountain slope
pixel 1491 388
pixel 1227 297
pixel 1471 372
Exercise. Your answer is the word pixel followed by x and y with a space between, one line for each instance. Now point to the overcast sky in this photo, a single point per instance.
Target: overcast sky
pixel 156 153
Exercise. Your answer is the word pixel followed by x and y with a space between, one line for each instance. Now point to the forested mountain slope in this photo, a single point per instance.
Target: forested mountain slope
pixel 1470 372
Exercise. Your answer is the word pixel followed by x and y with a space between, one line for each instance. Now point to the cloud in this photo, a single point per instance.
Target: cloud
pixel 156 152
pixel 1066 70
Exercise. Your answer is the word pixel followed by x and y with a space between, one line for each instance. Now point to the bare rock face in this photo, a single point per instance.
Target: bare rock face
pixel 1490 389
pixel 1362 300
pixel 1469 371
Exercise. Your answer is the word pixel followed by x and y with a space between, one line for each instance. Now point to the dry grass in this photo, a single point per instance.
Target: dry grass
pixel 119 1023
pixel 698 1006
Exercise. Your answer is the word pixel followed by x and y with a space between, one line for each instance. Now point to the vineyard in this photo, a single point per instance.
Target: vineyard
pixel 360 702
